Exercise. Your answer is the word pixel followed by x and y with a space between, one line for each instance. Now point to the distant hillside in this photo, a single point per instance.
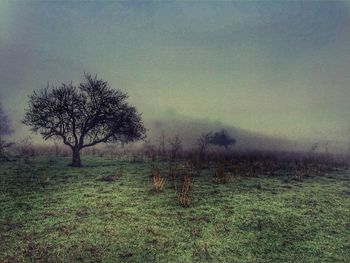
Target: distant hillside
pixel 190 129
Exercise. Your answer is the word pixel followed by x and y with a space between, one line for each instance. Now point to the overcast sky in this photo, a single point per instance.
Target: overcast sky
pixel 278 68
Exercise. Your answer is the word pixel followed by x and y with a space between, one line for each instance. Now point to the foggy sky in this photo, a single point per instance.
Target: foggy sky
pixel 276 68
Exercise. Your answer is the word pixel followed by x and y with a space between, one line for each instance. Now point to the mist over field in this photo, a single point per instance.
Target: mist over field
pixel 174 131
pixel 270 68
pixel 190 130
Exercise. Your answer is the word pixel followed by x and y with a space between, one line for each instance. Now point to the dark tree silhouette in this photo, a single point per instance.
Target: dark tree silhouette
pixel 4 130
pixel 222 139
pixel 84 116
pixel 175 147
pixel 203 142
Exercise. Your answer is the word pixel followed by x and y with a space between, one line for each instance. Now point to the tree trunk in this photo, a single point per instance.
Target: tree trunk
pixel 76 162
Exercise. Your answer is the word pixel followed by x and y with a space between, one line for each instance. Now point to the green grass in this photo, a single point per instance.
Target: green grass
pixel 78 217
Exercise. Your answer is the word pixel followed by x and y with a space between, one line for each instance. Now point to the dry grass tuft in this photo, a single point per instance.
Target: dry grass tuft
pixel 44 180
pixel 183 198
pixel 158 182
pixel 220 177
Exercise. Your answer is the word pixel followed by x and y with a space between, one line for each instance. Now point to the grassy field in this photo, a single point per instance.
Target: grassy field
pixel 79 217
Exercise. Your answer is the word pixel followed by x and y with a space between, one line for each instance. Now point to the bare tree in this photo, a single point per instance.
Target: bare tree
pixel 4 130
pixel 222 139
pixel 161 141
pixel 203 142
pixel 84 116
pixel 175 147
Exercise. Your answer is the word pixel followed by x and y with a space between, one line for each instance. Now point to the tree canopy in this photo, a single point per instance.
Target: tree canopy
pixel 222 138
pixel 84 116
